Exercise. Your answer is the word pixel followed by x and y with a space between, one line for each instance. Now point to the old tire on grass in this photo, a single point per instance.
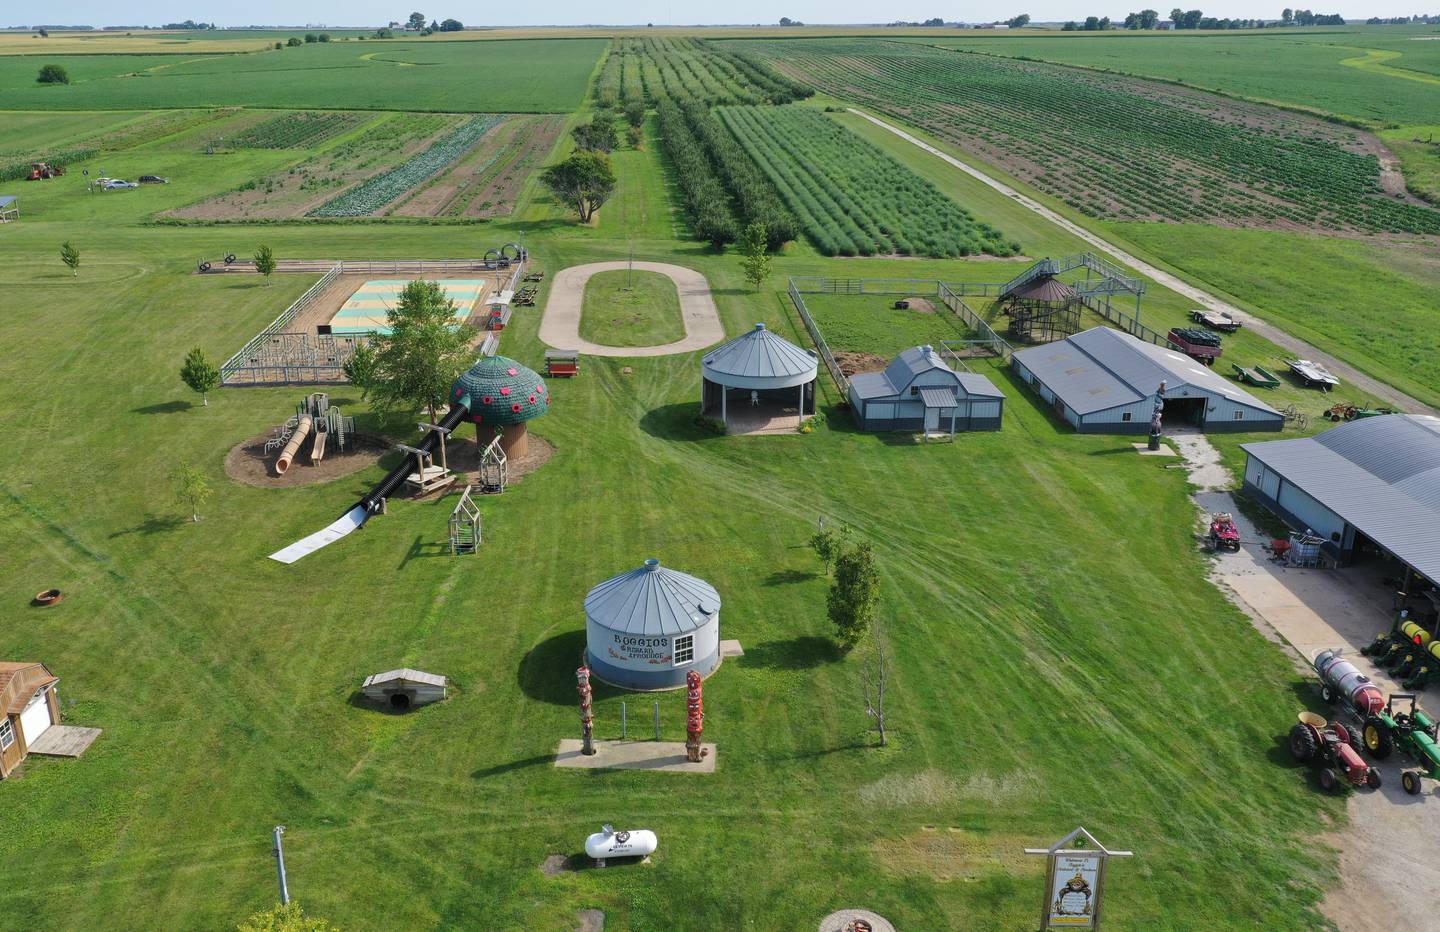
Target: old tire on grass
pixel 1329 780
pixel 1410 780
pixel 1302 742
pixel 1378 740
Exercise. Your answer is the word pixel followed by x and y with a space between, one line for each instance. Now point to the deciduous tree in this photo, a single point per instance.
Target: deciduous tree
pixel 854 595
pixel 199 374
pixel 755 259
pixel 265 262
pixel 583 181
pixel 414 365
pixel 53 74
pixel 70 255
pixel 192 487
pixel 875 681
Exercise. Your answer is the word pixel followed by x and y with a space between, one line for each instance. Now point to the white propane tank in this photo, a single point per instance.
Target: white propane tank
pixel 609 843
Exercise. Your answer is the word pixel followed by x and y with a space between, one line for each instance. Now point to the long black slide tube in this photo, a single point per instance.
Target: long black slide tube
pixel 386 486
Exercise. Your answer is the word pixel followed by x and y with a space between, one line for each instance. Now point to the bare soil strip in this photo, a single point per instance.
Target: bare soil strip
pixel 494 194
pixel 439 195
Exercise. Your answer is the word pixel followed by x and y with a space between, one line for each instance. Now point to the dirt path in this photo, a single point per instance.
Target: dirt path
pixel 1270 332
pixel 1388 872
pixel 560 327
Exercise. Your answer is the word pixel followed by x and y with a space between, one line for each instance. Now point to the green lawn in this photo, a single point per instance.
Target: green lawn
pixel 628 308
pixel 1419 154
pixel 1059 655
pixel 445 76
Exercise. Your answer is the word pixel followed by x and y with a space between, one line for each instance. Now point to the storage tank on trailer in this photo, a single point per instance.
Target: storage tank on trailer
pixel 647 628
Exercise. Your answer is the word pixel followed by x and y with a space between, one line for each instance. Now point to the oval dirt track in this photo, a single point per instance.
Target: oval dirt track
pixel 560 326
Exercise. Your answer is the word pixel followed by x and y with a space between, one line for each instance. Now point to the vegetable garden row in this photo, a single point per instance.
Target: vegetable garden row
pixel 852 197
pixel 1083 137
pixel 297 130
pixel 378 192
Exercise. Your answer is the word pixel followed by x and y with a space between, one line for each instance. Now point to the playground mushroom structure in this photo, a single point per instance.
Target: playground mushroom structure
pixel 502 397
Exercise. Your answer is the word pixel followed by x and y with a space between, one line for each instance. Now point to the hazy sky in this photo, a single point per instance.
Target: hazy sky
pixel 660 12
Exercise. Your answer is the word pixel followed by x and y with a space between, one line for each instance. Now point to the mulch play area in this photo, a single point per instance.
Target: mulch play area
pixel 248 462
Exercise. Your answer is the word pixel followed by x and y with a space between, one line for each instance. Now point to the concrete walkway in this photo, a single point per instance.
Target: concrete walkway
pixel 1388 871
pixel 560 327
pixel 1270 332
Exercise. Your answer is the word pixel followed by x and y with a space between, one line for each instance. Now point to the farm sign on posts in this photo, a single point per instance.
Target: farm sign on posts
pixel 1074 882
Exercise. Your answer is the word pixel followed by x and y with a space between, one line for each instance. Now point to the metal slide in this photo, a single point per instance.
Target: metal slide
pixel 361 511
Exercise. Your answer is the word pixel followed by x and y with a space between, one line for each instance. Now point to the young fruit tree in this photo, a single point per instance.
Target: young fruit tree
pixel 854 595
pixel 265 261
pixel 192 489
pixel 755 261
pixel 415 364
pixel 828 543
pixel 71 257
pixel 583 181
pixel 874 679
pixel 199 374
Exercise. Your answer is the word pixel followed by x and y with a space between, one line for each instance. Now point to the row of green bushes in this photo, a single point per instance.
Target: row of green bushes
pixel 706 200
pixel 756 199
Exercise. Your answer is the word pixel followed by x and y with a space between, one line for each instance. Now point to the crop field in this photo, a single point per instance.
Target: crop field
pixel 385 144
pixel 375 194
pixel 26 132
pixel 456 77
pixel 1207 160
pixel 302 130
pixel 487 181
pixel 852 198
pixel 690 69
pixel 1314 70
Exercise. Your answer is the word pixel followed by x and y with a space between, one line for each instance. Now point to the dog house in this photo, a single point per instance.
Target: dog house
pixel 404 689
pixel 647 628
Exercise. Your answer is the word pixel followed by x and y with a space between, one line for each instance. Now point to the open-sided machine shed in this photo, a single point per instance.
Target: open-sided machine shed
pixel 647 628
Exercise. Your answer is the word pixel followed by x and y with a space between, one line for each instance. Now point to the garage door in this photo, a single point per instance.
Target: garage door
pixel 35 719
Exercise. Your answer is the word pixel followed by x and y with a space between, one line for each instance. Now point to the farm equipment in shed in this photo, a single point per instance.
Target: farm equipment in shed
pixel 1224 535
pixel 1335 749
pixel 1413 732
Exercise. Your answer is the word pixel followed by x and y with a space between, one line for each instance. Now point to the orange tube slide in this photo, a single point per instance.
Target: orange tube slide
pixel 287 455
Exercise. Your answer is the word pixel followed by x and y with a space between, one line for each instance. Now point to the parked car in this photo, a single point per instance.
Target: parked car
pixel 115 184
pixel 153 179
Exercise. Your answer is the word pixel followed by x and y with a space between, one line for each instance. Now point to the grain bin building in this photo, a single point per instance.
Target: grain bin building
pixel 1104 381
pixel 647 628
pixel 918 391
pixel 1366 487
pixel 758 370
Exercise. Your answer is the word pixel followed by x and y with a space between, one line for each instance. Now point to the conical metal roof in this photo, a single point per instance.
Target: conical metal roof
pixel 1045 288
pixel 652 600
pixel 760 359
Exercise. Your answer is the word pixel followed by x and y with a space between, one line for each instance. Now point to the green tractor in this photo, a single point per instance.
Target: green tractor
pixel 1413 732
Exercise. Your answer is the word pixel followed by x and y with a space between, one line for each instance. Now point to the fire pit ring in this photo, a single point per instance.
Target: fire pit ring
pixel 48 597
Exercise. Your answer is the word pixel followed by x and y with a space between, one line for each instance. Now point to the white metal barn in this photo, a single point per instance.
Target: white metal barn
pixel 404 688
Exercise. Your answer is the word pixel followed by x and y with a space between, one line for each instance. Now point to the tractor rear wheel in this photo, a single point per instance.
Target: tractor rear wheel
pixel 1302 742
pixel 1372 778
pixel 1353 739
pixel 1378 740
pixel 1410 780
pixel 1328 780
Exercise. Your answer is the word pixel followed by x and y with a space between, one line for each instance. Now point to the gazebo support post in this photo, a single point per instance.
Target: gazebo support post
pixel 802 405
pixel 724 415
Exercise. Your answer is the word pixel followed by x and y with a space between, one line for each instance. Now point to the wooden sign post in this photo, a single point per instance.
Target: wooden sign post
pixel 1074 882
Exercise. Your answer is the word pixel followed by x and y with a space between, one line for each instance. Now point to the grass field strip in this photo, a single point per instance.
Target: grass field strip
pixel 1205 299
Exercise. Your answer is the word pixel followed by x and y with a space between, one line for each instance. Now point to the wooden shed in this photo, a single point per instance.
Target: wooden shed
pixel 402 689
pixel 28 708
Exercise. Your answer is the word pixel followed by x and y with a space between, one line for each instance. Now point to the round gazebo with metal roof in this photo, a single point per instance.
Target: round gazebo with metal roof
pixel 1041 310
pixel 758 380
pixel 647 628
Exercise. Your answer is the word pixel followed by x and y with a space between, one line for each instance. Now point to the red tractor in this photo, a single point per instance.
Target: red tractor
pixel 1224 535
pixel 1335 748
pixel 39 171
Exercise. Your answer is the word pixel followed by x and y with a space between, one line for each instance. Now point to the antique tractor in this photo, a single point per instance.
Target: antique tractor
pixel 1413 732
pixel 1335 749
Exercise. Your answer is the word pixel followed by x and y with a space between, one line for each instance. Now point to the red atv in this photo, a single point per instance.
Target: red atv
pixel 1224 535
pixel 1335 748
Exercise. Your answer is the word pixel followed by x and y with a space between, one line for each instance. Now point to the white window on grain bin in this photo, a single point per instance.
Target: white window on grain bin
pixel 684 650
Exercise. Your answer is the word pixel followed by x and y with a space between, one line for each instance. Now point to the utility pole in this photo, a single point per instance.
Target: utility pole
pixel 280 866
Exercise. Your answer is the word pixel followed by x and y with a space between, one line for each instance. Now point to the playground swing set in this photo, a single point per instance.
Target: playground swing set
pixel 316 420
